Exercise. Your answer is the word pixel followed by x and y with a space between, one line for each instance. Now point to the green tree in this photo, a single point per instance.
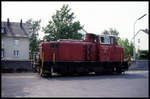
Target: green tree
pixel 131 48
pixel 106 32
pixel 111 32
pixel 143 54
pixel 128 47
pixel 62 26
pixel 34 27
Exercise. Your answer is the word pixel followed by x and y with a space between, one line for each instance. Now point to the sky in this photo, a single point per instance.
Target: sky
pixel 95 16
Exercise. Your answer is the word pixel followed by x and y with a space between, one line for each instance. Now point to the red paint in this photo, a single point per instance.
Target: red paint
pixel 90 49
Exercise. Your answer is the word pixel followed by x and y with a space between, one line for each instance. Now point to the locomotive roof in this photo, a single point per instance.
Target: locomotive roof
pixel 102 35
pixel 107 35
pixel 69 40
pixel 91 34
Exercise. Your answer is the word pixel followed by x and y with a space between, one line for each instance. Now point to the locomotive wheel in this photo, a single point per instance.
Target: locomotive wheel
pixel 118 70
pixel 42 74
pixel 82 73
pixel 67 73
pixel 99 73
pixel 99 70
pixel 48 74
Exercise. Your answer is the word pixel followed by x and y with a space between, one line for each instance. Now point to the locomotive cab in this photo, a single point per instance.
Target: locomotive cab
pixel 105 39
pixel 102 39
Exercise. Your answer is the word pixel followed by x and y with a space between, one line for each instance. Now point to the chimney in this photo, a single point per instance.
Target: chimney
pixel 8 23
pixel 21 23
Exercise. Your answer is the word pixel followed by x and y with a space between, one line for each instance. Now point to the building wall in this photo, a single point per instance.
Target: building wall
pixel 142 41
pixel 22 45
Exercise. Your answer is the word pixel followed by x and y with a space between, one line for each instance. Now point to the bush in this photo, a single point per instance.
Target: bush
pixel 143 54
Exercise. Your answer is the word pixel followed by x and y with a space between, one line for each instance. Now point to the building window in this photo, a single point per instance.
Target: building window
pixel 16 52
pixel 16 42
pixel 138 40
pixel 2 53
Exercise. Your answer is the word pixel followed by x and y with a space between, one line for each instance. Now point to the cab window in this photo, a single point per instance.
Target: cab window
pixel 112 41
pixel 105 40
pixel 102 39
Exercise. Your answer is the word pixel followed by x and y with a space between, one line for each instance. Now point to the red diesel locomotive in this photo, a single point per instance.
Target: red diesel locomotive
pixel 97 53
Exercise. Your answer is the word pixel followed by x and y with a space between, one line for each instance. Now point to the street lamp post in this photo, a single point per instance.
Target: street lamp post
pixel 143 30
pixel 134 34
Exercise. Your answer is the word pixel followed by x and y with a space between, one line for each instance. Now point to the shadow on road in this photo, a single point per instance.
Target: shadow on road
pixel 98 77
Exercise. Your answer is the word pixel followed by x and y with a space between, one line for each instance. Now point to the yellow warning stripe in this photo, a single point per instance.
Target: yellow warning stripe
pixel 41 69
pixel 42 59
pixel 54 58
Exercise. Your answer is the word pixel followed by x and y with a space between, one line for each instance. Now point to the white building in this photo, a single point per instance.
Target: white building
pixel 142 41
pixel 14 41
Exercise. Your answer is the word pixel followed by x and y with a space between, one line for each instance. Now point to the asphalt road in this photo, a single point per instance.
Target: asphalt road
pixel 130 84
